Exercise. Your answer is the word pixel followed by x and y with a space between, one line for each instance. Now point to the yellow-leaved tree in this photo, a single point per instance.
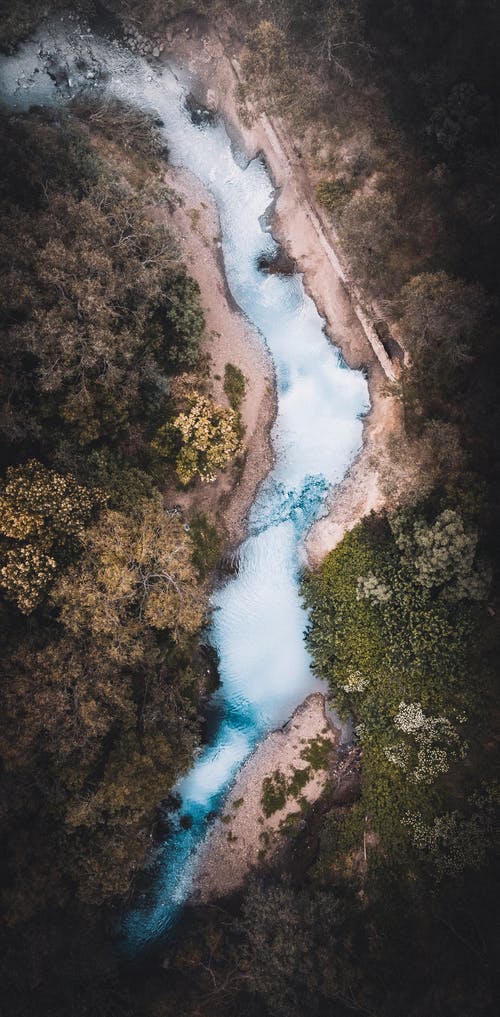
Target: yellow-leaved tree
pixel 42 519
pixel 136 574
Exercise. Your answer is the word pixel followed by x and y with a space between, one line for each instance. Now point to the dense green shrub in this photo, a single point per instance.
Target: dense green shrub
pixel 206 544
pixel 234 386
pixel 397 655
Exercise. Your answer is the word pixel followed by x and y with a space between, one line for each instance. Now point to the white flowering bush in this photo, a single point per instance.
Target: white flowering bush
pixel 374 590
pixel 443 554
pixel 354 681
pixel 428 746
pixel 454 842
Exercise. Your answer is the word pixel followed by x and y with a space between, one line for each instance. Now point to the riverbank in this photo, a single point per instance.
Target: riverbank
pixel 210 59
pixel 229 338
pixel 289 771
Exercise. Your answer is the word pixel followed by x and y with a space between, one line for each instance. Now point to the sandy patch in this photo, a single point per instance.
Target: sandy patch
pixel 244 835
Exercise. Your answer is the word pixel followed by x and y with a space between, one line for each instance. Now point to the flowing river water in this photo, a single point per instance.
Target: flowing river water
pixel 258 620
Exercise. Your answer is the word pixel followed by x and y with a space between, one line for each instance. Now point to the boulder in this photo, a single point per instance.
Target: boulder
pixel 277 264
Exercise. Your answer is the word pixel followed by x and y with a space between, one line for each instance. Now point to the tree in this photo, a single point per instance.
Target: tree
pixel 443 555
pixel 94 303
pixel 60 703
pixel 371 233
pixel 294 949
pixel 266 50
pixel 42 519
pixel 183 322
pixel 442 316
pixel 461 121
pixel 426 746
pixel 341 33
pixel 136 576
pixel 205 438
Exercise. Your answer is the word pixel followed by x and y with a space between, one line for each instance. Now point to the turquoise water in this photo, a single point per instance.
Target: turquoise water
pixel 258 620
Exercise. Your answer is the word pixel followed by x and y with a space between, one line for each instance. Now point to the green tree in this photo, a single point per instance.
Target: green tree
pixel 443 555
pixel 183 322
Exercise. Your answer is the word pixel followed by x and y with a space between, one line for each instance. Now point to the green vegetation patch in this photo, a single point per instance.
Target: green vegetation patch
pixel 206 544
pixel 234 385
pixel 333 193
pixel 274 793
pixel 301 777
pixel 317 752
pixel 278 788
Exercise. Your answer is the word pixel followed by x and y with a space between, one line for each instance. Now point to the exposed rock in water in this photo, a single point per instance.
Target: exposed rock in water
pixel 229 564
pixel 200 114
pixel 278 264
pixel 57 70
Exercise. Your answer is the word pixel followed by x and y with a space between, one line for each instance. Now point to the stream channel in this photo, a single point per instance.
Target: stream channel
pixel 257 621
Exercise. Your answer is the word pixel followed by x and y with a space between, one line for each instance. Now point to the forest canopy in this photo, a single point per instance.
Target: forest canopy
pixel 103 586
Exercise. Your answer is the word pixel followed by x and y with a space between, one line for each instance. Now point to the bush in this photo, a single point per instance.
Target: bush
pixel 333 193
pixel 207 436
pixel 274 793
pixel 234 386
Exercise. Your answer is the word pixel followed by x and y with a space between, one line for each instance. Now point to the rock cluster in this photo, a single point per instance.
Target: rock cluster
pixel 139 43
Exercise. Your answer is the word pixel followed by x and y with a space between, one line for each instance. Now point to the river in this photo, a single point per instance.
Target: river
pixel 258 620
